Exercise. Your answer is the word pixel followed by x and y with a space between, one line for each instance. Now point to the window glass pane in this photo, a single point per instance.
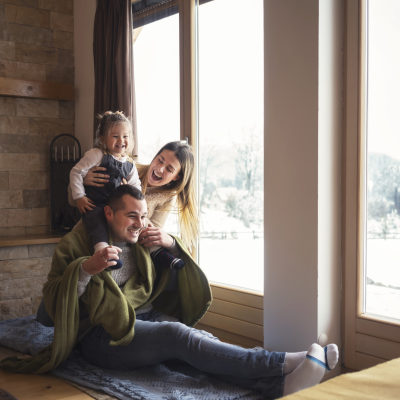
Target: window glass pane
pixel 156 70
pixel 231 142
pixel 383 160
pixel 156 64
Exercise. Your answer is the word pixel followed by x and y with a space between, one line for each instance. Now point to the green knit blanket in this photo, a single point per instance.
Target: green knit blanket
pixel 108 305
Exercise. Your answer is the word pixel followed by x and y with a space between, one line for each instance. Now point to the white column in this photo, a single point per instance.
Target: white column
pixel 84 12
pixel 329 169
pixel 302 172
pixel 291 174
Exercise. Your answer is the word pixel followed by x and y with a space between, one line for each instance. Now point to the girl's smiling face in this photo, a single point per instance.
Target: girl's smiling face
pixel 118 140
pixel 163 169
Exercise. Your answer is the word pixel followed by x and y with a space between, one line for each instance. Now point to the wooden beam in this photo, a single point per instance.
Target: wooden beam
pixel 23 240
pixel 187 57
pixel 187 44
pixel 237 311
pixel 377 347
pixel 238 296
pixel 36 90
pixel 228 324
pixel 364 361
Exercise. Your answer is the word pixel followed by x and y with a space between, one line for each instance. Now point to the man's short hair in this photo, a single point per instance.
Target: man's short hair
pixel 115 202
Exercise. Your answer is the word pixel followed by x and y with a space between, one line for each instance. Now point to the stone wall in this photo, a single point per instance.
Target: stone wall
pixel 36 43
pixel 23 271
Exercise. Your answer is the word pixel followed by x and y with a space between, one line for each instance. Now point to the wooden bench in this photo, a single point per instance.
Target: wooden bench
pixel 379 382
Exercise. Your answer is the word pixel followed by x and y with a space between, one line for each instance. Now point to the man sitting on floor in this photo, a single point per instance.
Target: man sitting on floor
pixel 128 318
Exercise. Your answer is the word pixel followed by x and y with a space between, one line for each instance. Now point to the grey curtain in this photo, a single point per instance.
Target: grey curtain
pixel 113 60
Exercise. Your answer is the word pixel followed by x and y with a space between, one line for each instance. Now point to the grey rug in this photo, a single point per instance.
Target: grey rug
pixel 167 381
pixel 4 395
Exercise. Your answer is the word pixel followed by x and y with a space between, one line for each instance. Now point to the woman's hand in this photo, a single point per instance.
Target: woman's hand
pixel 153 236
pixel 98 262
pixel 84 203
pixel 95 179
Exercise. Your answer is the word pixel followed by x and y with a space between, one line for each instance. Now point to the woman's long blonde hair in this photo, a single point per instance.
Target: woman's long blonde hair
pixel 183 189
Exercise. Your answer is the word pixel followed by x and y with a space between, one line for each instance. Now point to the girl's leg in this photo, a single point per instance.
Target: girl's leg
pixel 95 222
pixel 163 259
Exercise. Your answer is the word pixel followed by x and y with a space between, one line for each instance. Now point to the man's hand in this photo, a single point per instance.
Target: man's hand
pixel 153 236
pixel 98 262
pixel 94 178
pixel 85 203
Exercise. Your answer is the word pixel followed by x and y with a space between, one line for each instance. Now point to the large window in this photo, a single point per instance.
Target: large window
pixel 199 77
pixel 229 116
pixel 231 142
pixel 156 64
pixel 371 182
pixel 382 240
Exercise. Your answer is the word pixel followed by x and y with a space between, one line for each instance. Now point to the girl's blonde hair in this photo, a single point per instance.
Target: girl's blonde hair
pixel 183 189
pixel 107 122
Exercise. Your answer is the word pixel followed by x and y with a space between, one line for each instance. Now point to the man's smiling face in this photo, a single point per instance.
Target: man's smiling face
pixel 126 223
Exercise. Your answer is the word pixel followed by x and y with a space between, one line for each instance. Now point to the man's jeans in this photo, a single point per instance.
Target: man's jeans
pixel 156 341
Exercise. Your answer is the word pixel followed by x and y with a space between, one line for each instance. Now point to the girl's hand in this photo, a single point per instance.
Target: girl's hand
pixel 153 236
pixel 95 179
pixel 98 262
pixel 124 181
pixel 84 204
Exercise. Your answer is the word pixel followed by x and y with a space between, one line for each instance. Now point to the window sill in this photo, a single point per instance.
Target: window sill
pixel 235 316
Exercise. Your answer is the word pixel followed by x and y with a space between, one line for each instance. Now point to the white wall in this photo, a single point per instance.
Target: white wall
pixel 302 172
pixel 84 11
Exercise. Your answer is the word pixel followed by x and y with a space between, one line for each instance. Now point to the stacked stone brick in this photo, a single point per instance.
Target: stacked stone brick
pixel 36 43
pixel 23 270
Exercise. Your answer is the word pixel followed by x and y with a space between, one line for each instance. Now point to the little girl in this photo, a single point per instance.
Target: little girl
pixel 113 143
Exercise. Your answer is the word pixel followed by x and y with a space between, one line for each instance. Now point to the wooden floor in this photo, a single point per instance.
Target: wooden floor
pixel 44 387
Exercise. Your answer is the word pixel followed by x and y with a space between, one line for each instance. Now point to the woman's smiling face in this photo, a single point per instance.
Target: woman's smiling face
pixel 163 169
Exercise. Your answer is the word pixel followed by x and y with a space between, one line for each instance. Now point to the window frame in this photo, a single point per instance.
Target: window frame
pixel 236 314
pixel 367 339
